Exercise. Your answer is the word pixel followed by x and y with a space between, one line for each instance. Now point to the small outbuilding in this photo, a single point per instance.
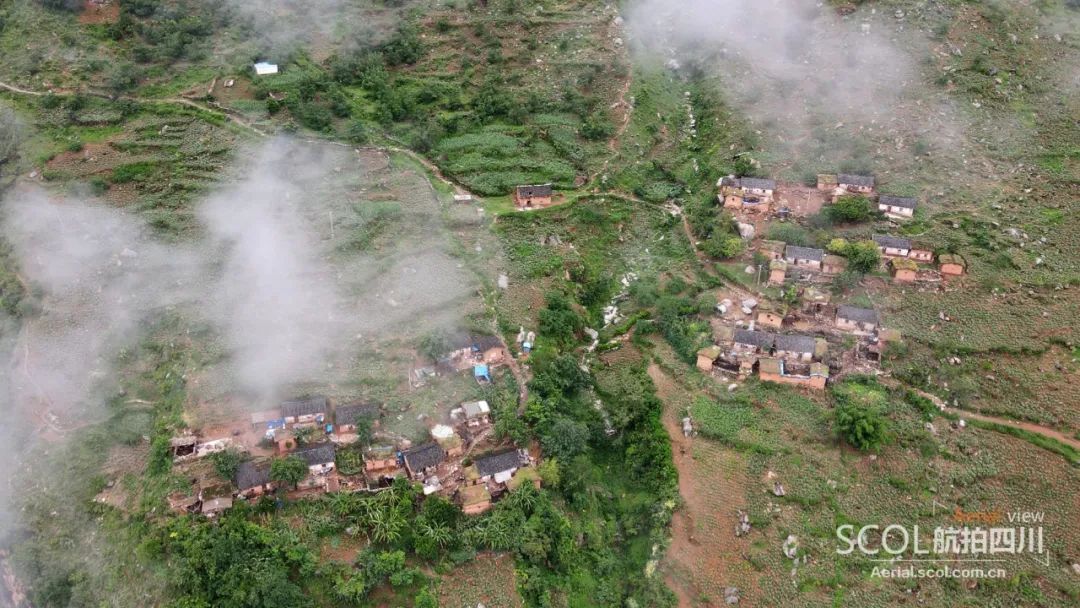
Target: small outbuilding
pixel 706 357
pixel 264 68
pixel 951 264
pixel 903 270
pixel 777 272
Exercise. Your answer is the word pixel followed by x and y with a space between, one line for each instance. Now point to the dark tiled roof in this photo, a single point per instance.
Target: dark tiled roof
pixel 497 463
pixel 424 456
pixel 853 313
pixel 855 180
pixel 251 475
pixel 347 414
pixel 892 242
pixel 304 407
pixel 757 182
pixel 795 344
pixel 897 201
pixel 537 190
pixel 317 454
pixel 794 252
pixel 761 339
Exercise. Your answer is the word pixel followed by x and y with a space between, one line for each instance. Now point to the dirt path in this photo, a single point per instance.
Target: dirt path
pixel 1020 424
pixel 705 556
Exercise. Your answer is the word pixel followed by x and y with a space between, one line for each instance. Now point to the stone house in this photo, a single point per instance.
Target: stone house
pixel 319 458
pixel 423 460
pixel 892 246
pixel 346 416
pixel 311 409
pixel 773 250
pixel 804 257
pixel 833 264
pixel 921 253
pixel 751 341
pixel 800 348
pixel 499 467
pixel 252 479
pixel 862 184
pixel 897 206
pixel 854 319
pixel 533 197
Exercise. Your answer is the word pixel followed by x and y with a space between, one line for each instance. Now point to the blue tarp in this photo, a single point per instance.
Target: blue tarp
pixel 481 372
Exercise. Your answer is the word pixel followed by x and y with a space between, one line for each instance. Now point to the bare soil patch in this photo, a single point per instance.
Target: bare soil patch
pixel 99 11
pixel 705 556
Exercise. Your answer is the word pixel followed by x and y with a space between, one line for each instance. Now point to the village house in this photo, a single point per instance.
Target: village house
pixel 774 370
pixel 475 413
pixel 833 264
pixel 311 409
pixel 533 197
pixel 346 416
pixel 854 319
pixel 903 270
pixel 827 182
pixel 422 460
pixel 897 206
pixel 381 465
pixel 921 253
pixel 751 341
pixel 804 257
pixel 267 420
pixel 707 356
pixel 951 264
pixel 319 458
pixel 499 467
pixel 892 246
pixel 777 272
pixel 773 250
pixel 748 193
pixel 799 348
pixel 474 500
pixel 252 479
pixel 862 184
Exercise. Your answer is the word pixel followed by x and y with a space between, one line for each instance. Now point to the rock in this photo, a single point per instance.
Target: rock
pixel 731 595
pixel 749 303
pixel 1076 569
pixel 872 458
pixel 746 231
pixel 791 546
pixel 832 484
pixel 930 427
pixel 592 333
pixel 749 270
pixel 732 387
pixel 778 489
pixel 961 423
pixel 504 281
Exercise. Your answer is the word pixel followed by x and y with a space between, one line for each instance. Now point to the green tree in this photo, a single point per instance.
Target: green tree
pixel 226 462
pixel 863 256
pixel 11 135
pixel 289 470
pixel 425 599
pixel 558 321
pixel 861 425
pixel 434 344
pixel 851 208
pixel 565 439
